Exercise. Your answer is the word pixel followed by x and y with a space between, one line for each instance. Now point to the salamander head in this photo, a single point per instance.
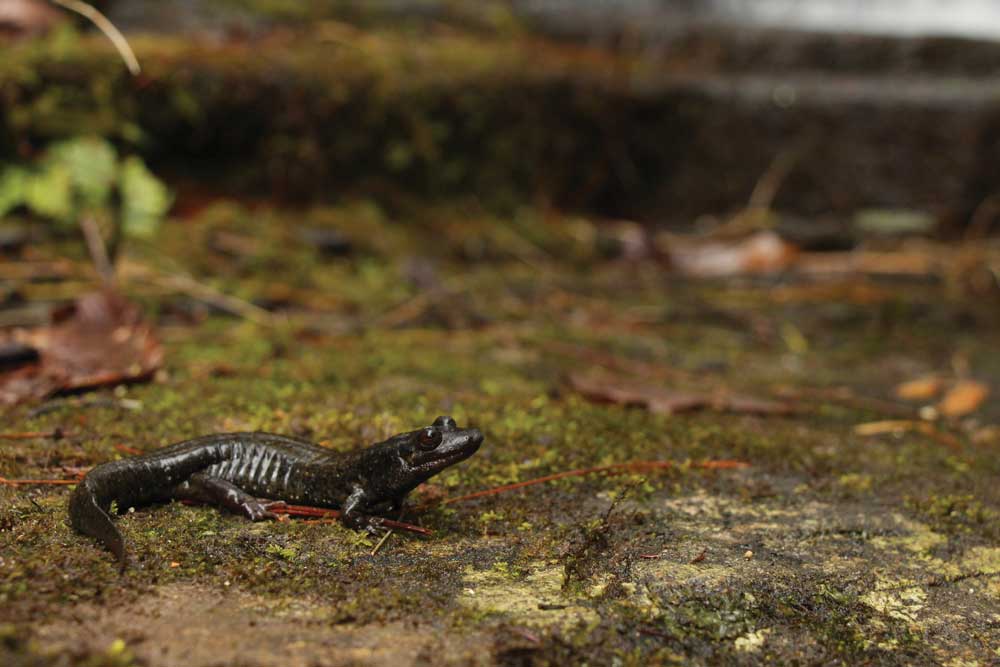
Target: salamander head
pixel 427 451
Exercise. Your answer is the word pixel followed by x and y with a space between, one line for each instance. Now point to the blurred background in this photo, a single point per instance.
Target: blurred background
pixel 762 232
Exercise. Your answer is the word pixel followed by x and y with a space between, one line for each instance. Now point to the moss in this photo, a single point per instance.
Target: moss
pixel 371 111
pixel 847 563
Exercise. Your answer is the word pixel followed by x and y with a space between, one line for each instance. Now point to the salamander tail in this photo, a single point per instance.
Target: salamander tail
pixel 88 517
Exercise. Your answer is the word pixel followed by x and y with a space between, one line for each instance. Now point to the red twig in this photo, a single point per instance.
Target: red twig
pixel 615 469
pixel 125 449
pixel 304 510
pixel 29 435
pixel 722 464
pixel 324 514
pixel 37 482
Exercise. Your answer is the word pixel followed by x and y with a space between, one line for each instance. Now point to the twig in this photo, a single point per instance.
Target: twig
pixel 214 297
pixel 305 510
pixel 407 310
pixel 55 434
pixel 97 402
pixel 381 543
pixel 527 634
pixel 845 398
pixel 615 469
pixel 766 188
pixel 39 270
pixel 97 249
pixel 983 218
pixel 107 27
pixel 323 514
pixel 902 426
pixel 37 482
pixel 388 534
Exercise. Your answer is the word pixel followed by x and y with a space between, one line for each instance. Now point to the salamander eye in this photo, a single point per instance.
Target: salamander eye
pixel 428 439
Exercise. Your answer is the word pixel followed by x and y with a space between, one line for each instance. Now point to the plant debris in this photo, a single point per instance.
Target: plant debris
pixel 607 388
pixel 101 340
pixel 919 389
pixel 963 399
pixel 762 253
pixel 897 426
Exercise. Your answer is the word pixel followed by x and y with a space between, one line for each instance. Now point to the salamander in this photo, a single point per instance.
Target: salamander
pixel 254 473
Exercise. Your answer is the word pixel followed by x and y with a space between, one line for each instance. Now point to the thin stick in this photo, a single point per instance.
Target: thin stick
pixel 107 27
pixel 97 249
pixel 37 482
pixel 766 188
pixel 323 514
pixel 900 426
pixel 615 469
pixel 983 218
pixel 30 435
pixel 388 534
pixel 213 297
pixel 385 538
pixel 305 510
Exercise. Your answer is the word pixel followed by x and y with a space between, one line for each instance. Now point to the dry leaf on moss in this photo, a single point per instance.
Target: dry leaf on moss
pixel 963 399
pixel 101 340
pixel 608 388
pixel 919 389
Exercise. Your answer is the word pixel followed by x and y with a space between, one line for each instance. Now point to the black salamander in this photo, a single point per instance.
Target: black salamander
pixel 253 473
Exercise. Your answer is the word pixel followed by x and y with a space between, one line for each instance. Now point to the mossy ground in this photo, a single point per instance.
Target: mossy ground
pixel 831 547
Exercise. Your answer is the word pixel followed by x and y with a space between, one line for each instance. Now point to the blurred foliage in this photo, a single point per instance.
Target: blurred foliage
pixel 337 109
pixel 487 15
pixel 84 176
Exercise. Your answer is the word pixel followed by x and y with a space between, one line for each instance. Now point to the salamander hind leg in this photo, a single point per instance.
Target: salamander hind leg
pixel 215 491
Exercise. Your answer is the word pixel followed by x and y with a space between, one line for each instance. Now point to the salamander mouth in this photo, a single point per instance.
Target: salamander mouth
pixel 469 444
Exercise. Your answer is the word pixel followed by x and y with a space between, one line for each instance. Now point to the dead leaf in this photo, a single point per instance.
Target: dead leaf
pixel 28 17
pixel 893 426
pixel 607 388
pixel 762 253
pixel 920 389
pixel 100 340
pixel 963 399
pixel 988 435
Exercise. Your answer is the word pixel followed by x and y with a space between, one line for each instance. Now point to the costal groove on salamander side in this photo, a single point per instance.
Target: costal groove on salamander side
pixel 237 470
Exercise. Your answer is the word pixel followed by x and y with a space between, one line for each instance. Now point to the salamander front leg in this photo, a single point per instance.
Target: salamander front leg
pixel 396 506
pixel 352 515
pixel 214 491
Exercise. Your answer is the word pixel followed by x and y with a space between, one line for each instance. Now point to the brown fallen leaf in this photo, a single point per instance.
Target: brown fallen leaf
pixel 893 426
pixel 963 399
pixel 920 389
pixel 607 388
pixel 100 340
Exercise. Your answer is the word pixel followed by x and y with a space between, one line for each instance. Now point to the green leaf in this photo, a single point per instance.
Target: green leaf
pixel 92 166
pixel 49 193
pixel 11 189
pixel 145 199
